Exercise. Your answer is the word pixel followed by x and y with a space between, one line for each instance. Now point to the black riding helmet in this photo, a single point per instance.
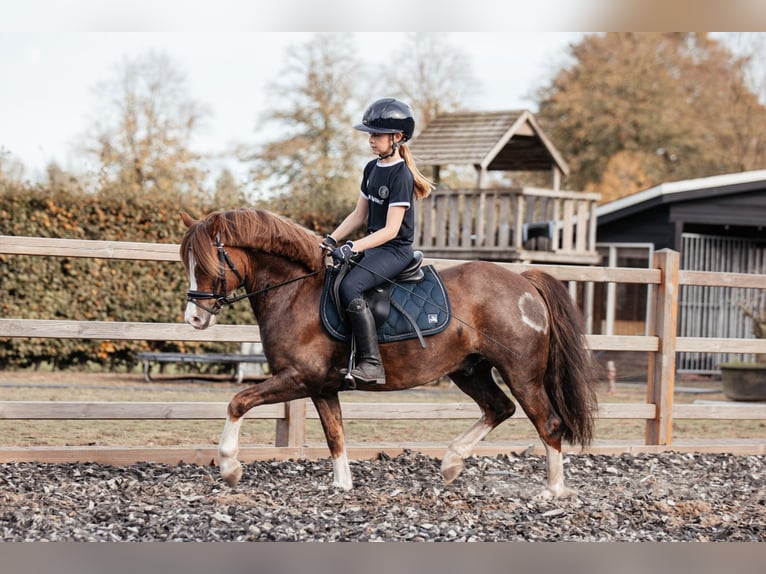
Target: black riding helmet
pixel 388 116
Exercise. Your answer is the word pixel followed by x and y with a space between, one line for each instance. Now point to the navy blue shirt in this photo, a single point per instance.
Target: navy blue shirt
pixel 386 185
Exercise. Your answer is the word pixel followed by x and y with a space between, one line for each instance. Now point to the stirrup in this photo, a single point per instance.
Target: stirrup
pixel 358 376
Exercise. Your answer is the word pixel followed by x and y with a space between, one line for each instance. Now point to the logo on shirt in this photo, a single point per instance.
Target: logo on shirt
pixel 383 192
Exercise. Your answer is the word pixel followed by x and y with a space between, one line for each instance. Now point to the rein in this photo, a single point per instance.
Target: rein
pixel 221 296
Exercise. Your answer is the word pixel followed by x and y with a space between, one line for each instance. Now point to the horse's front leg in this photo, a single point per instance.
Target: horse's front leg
pixel 228 449
pixel 330 415
pixel 282 387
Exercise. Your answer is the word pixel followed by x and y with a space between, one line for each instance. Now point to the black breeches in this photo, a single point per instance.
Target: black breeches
pixel 377 265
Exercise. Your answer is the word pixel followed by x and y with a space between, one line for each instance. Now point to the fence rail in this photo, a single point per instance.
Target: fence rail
pixel 658 411
pixel 509 224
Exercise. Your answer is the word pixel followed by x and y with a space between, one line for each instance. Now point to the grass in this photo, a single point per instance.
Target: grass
pixel 74 386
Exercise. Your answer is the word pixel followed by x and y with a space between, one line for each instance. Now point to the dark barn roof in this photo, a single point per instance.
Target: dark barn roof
pixel 493 141
pixel 721 205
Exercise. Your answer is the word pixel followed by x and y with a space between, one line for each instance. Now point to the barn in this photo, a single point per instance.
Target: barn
pixel 717 223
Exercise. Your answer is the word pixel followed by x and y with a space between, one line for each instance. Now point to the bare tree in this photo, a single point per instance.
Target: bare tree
pixel 431 75
pixel 312 174
pixel 141 134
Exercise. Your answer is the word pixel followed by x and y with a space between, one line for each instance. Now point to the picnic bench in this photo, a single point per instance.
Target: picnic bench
pixel 238 359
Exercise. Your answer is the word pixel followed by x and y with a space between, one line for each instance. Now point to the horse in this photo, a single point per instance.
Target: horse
pixel 524 327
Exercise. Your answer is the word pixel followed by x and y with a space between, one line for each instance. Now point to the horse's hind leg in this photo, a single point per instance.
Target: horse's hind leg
pixel 530 394
pixel 495 405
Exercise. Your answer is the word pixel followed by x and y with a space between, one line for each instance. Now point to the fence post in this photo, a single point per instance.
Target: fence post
pixel 662 363
pixel 291 430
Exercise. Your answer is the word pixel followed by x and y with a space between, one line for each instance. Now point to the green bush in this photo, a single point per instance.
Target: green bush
pixel 93 289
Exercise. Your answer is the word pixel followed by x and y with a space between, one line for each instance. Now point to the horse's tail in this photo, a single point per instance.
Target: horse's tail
pixel 571 374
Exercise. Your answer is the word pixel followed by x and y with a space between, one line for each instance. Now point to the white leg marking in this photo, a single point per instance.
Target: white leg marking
pixel 228 448
pixel 341 472
pixel 193 315
pixel 461 448
pixel 555 467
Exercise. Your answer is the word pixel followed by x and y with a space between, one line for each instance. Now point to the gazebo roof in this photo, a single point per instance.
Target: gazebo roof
pixel 492 141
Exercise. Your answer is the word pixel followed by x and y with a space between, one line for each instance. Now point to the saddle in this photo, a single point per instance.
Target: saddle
pixel 414 304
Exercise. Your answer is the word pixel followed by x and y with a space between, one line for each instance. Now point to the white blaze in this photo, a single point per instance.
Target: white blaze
pixel 194 315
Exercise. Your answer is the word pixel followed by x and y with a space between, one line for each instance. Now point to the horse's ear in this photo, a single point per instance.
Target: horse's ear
pixel 187 219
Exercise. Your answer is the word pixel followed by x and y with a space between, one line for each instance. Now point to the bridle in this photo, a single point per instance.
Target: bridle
pixel 221 293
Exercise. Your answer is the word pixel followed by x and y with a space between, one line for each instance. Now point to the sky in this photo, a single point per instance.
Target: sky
pixel 54 52
pixel 51 96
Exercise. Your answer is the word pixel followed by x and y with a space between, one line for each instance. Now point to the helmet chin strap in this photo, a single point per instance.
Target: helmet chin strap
pixel 394 147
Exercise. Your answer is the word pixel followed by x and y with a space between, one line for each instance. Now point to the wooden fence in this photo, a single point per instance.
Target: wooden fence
pixel 658 411
pixel 497 224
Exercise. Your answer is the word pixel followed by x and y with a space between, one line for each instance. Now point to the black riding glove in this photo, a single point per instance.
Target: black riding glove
pixel 329 243
pixel 343 253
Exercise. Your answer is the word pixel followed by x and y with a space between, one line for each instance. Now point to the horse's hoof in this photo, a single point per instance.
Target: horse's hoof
pixel 231 473
pixel 342 485
pixel 451 468
pixel 549 493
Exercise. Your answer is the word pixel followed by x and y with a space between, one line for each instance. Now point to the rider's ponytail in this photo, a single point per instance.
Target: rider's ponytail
pixel 423 185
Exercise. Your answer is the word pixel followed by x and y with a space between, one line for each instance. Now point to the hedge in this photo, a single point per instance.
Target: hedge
pixel 93 289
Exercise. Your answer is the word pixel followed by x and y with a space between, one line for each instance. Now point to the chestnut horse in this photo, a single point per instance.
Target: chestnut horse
pixel 523 325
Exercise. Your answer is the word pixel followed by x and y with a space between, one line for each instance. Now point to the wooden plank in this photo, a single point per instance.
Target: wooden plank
pixel 592 226
pixel 126 331
pixel 491 236
pixel 561 194
pixel 18 245
pixel 626 411
pixel 129 410
pixel 581 231
pixel 453 226
pixel 291 429
pixel 567 232
pixel 504 215
pixel 440 225
pixel 425 209
pixel 663 322
pixel 88 410
pixel 408 411
pixel 201 357
pixel 719 345
pixel 718 279
pixel 519 207
pixel 467 221
pixel 732 411
pixel 125 455
pixel 249 333
pixel 570 273
pixel 207 454
pixel 622 343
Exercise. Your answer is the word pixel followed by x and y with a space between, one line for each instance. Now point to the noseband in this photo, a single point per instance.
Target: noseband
pixel 221 292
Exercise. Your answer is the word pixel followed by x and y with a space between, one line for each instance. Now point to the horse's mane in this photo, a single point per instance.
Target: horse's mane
pixel 255 229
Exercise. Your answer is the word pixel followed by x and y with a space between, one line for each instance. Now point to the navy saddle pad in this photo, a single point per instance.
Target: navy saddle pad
pixel 424 303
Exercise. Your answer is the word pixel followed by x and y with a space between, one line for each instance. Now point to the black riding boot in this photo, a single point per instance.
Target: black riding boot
pixel 369 368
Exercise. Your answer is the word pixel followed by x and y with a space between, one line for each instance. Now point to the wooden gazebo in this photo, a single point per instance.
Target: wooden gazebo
pixel 489 141
pixel 502 224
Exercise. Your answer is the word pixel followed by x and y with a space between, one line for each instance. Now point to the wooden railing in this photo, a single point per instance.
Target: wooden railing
pixel 509 224
pixel 658 411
